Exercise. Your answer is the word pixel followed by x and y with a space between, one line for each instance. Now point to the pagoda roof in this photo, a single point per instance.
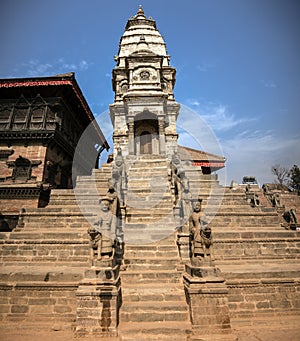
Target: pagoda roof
pixel 62 85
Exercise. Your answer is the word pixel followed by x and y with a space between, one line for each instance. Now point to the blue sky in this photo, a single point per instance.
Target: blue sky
pixel 237 61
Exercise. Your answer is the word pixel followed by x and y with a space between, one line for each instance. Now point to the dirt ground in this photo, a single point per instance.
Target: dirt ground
pixel 276 329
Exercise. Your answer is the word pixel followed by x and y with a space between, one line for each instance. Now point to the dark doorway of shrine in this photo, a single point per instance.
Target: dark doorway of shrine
pixel 146 142
pixel 146 134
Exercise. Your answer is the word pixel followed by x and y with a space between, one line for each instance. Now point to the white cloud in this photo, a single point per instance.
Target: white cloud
pixel 218 116
pixel 204 67
pixel 268 83
pixel 35 68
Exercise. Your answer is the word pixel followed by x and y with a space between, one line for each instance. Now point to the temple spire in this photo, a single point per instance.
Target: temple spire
pixel 140 12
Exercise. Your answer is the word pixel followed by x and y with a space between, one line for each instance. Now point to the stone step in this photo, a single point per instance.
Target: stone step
pixel 148 168
pixel 144 276
pixel 153 257
pixel 154 311
pixel 151 263
pixel 134 237
pixel 155 331
pixel 239 209
pixel 153 292
pixel 50 235
pixel 149 213
pixel 149 235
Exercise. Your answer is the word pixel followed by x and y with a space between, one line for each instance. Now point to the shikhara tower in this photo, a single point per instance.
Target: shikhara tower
pixel 144 112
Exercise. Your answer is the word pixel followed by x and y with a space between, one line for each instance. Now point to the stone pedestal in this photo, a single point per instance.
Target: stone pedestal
pixel 206 294
pixel 98 302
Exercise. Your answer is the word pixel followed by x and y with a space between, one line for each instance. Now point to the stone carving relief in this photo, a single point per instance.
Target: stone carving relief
pixel 144 75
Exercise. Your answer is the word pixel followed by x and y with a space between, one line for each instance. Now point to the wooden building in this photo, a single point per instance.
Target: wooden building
pixel 41 122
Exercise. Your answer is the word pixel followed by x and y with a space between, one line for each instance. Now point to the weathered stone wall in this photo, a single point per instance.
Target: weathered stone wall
pixel 30 302
pixel 256 245
pixel 61 249
pixel 260 297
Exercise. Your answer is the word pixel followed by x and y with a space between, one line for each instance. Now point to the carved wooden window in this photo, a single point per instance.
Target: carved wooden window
pixel 22 169
pixel 51 119
pixel 5 114
pixel 37 117
pixel 20 118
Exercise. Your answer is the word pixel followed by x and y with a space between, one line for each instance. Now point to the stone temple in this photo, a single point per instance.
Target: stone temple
pixel 148 247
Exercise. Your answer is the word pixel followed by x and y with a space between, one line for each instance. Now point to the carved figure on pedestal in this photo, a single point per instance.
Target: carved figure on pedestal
pixel 290 218
pixel 118 174
pixel 186 204
pixel 275 200
pixel 177 173
pixel 201 236
pixel 102 234
pixel 113 196
pixel 95 244
pixel 254 200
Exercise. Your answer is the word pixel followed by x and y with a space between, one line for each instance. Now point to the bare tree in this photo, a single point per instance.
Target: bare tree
pixel 281 174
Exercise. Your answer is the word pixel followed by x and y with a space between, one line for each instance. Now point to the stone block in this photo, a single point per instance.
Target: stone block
pixel 41 310
pixel 62 309
pixel 280 304
pixel 41 301
pixel 236 298
pixel 18 300
pixel 4 308
pixel 263 305
pixel 19 309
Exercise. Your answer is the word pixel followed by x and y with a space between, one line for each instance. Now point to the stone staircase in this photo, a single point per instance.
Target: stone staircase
pixel 149 207
pixel 50 253
pixel 153 301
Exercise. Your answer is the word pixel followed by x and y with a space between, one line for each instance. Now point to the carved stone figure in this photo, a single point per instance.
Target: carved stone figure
pixel 290 217
pixel 102 234
pixel 177 173
pixel 95 244
pixel 186 197
pixel 112 195
pixel 201 235
pixel 118 174
pixel 254 200
pixel 275 200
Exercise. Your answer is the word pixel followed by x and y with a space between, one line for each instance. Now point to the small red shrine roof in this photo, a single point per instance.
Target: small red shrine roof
pixel 201 158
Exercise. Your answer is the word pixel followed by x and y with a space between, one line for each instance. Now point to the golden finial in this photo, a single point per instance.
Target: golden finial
pixel 140 11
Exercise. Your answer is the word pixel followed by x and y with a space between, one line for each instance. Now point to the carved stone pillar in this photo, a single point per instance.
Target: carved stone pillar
pixel 162 141
pixel 131 137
